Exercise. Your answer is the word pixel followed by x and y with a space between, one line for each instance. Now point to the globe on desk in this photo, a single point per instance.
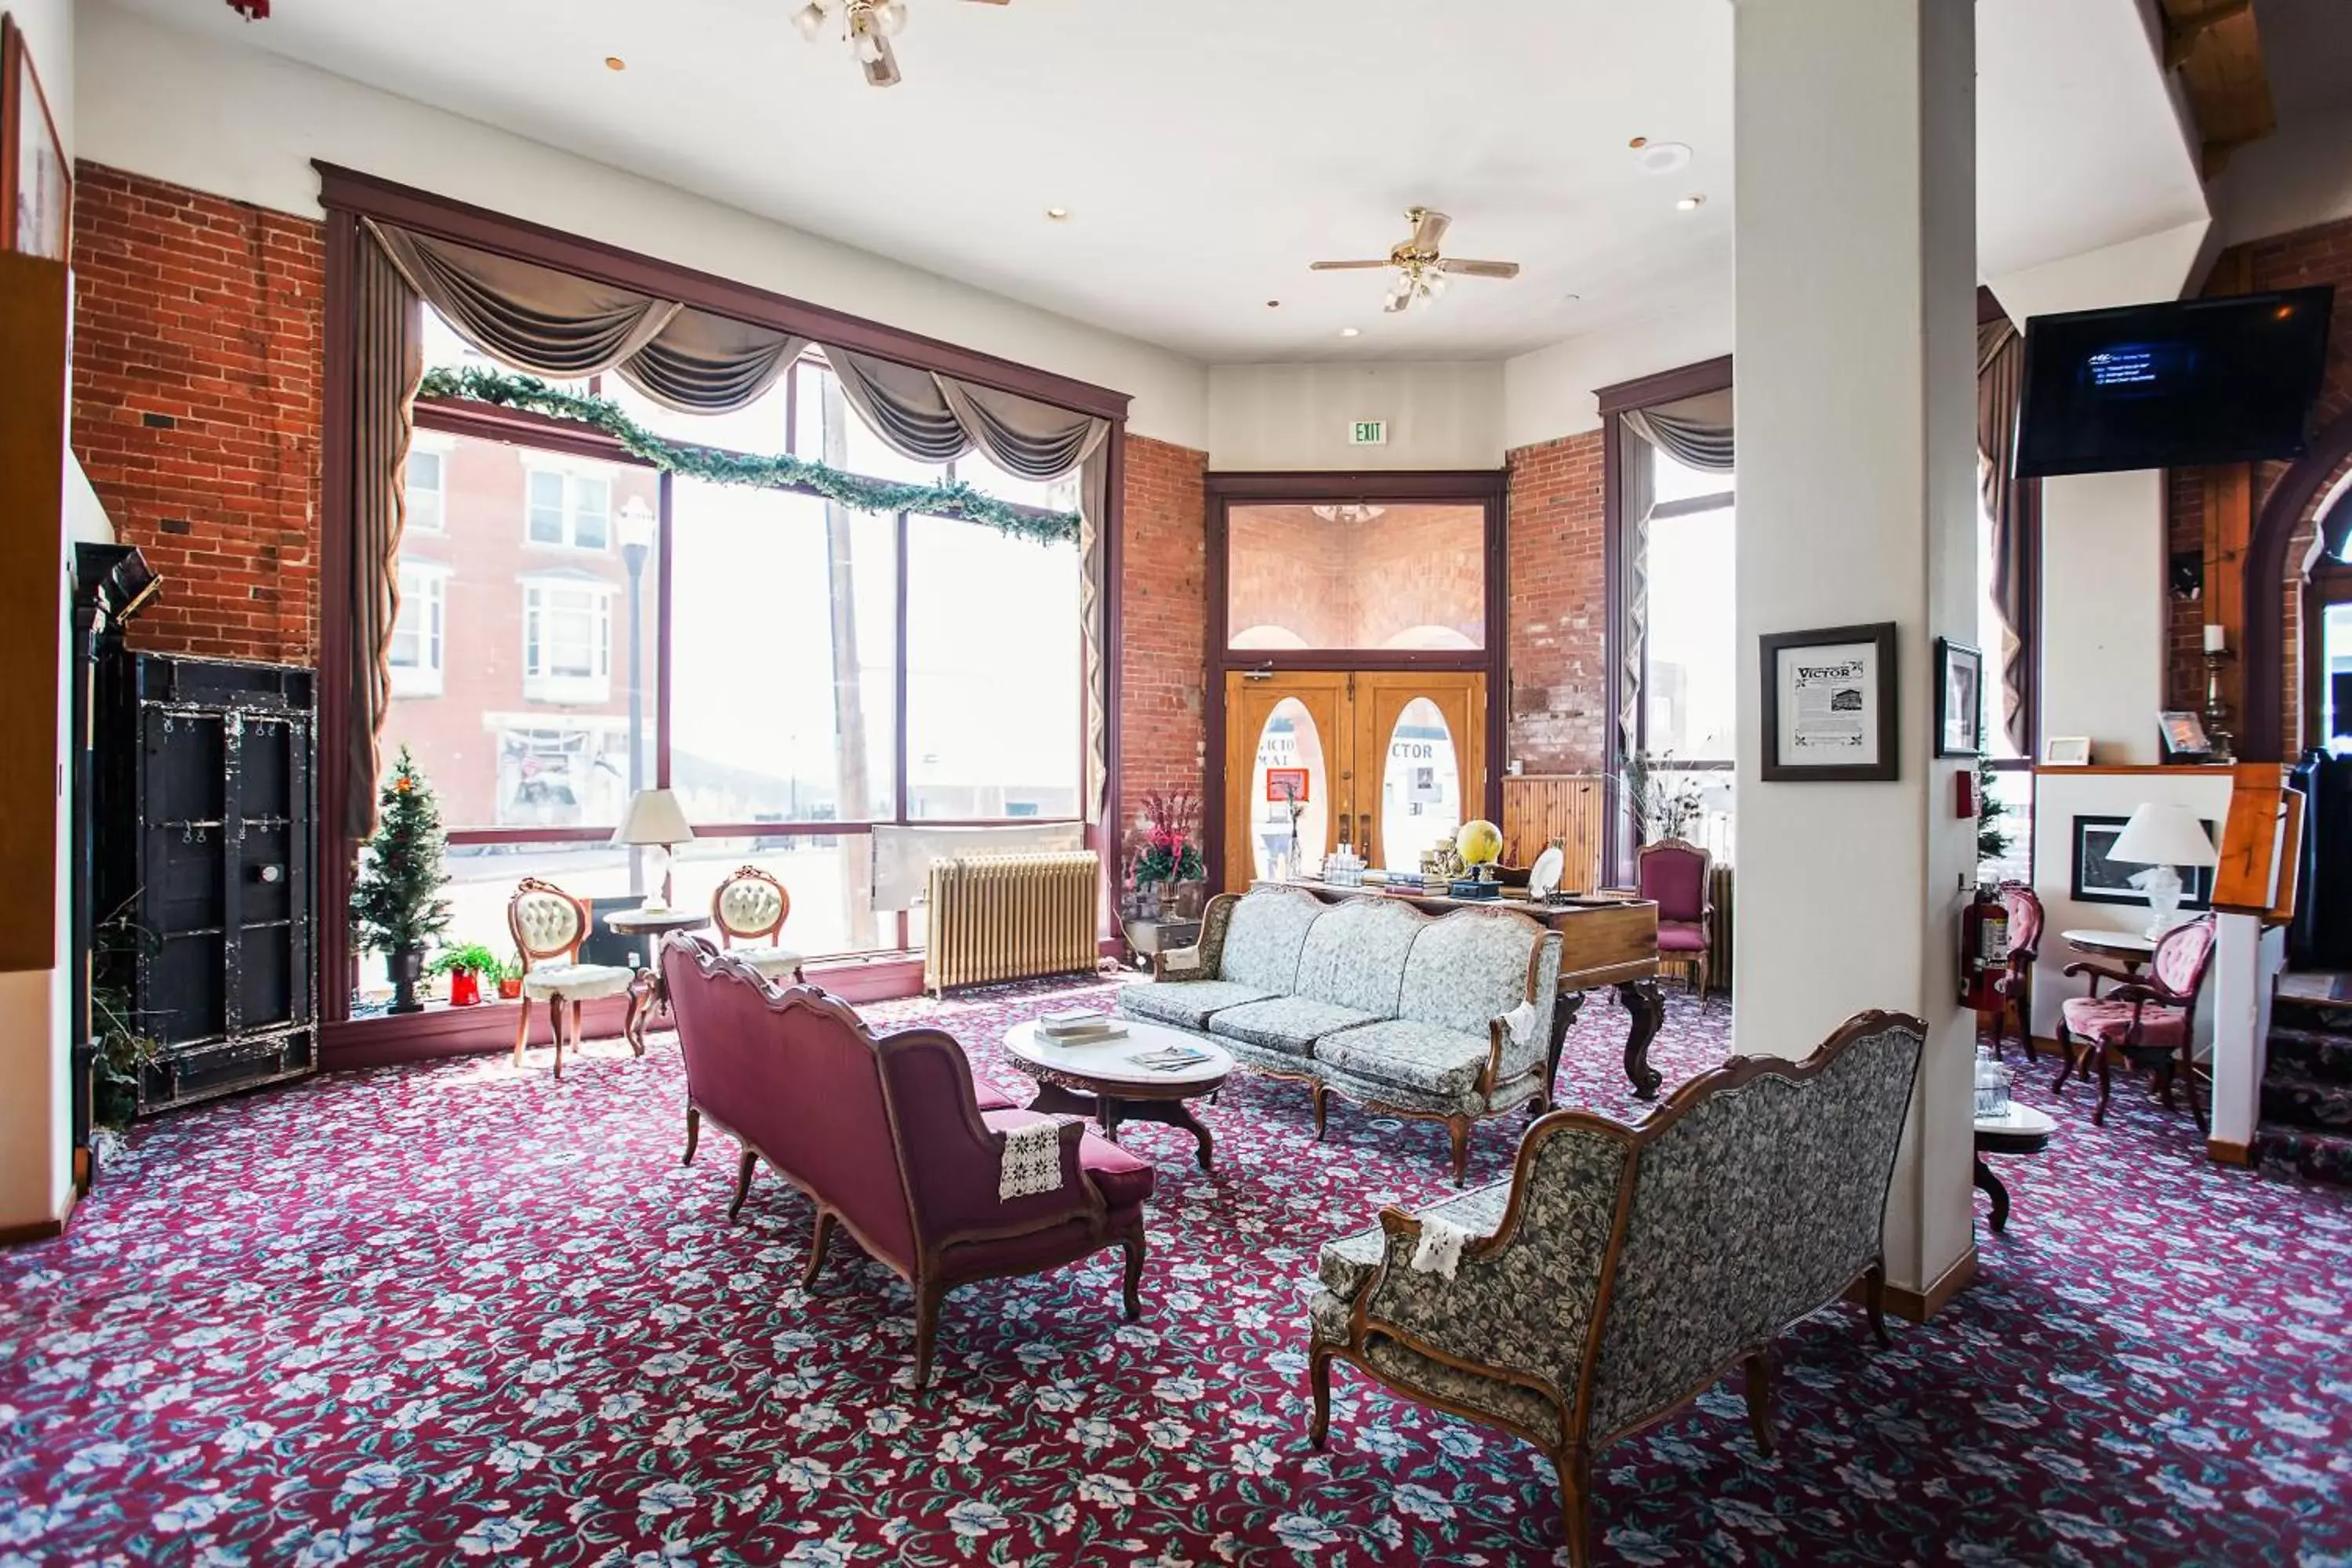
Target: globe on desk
pixel 1480 845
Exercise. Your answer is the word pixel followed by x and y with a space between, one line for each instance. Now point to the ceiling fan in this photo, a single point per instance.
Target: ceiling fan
pixel 1421 272
pixel 867 27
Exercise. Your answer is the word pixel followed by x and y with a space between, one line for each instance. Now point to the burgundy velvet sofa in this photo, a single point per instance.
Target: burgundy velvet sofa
pixel 889 1137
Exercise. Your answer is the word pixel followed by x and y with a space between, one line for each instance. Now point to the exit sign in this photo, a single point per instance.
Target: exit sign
pixel 1369 433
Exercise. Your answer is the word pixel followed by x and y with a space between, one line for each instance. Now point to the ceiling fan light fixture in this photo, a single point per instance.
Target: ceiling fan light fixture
pixel 810 20
pixel 869 47
pixel 892 14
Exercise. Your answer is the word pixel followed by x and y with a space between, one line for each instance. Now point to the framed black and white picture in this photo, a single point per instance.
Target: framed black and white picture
pixel 1830 713
pixel 2099 881
pixel 1959 699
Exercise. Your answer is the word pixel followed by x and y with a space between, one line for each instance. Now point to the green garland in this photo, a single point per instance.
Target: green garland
pixel 955 498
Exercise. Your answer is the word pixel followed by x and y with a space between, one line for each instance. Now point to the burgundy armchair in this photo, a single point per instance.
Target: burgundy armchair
pixel 1675 873
pixel 2014 986
pixel 889 1138
pixel 2149 1020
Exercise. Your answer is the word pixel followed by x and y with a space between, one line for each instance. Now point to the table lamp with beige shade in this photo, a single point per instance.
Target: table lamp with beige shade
pixel 2163 838
pixel 655 822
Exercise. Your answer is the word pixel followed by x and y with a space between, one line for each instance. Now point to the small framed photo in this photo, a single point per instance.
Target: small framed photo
pixel 1287 784
pixel 1959 699
pixel 2184 735
pixel 1830 706
pixel 2066 751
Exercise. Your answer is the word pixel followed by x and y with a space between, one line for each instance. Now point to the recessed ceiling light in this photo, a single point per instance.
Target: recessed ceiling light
pixel 1057 214
pixel 1352 332
pixel 1661 157
pixel 615 63
pixel 1690 203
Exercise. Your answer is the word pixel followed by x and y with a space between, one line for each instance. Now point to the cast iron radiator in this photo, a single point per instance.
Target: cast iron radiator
pixel 1011 917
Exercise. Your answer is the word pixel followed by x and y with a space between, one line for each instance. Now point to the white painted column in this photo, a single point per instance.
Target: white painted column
pixel 1856 265
pixel 2246 962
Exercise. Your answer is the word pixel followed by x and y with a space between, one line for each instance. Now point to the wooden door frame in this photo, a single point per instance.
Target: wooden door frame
pixel 1488 489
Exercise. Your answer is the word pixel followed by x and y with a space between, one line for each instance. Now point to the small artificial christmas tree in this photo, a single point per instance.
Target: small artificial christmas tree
pixel 1992 835
pixel 396 902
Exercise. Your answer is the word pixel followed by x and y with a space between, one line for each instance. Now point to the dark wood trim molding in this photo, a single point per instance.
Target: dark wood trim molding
pixel 2262 653
pixel 1916 1306
pixel 1487 487
pixel 342 190
pixel 1643 392
pixel 349 197
pixel 1666 387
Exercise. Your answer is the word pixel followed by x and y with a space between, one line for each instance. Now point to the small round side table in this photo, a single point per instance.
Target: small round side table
pixel 649 990
pixel 2020 1129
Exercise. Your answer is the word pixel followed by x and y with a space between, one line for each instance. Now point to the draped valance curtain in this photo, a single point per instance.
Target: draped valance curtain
pixel 1698 433
pixel 553 323
pixel 2001 376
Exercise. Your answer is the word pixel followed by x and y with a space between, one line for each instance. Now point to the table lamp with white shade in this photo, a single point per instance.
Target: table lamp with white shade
pixel 654 821
pixel 2163 838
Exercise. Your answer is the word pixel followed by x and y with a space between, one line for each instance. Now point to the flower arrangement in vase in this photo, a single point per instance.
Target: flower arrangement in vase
pixel 1170 863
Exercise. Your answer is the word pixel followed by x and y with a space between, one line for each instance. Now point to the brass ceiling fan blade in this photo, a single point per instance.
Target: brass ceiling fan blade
pixel 882 70
pixel 1346 266
pixel 1479 269
pixel 994 2
pixel 1429 229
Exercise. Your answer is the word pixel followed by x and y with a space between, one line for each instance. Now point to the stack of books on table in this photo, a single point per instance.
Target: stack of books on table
pixel 1079 1026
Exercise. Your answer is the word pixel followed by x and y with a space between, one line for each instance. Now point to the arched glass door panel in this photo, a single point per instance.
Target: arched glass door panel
pixel 1421 788
pixel 1289 803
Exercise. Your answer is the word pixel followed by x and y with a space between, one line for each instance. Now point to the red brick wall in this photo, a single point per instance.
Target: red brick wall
pixel 1559 608
pixel 198 365
pixel 1163 612
pixel 2307 257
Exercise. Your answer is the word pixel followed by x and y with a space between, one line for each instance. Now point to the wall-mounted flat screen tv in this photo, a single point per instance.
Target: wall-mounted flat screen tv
pixel 2227 379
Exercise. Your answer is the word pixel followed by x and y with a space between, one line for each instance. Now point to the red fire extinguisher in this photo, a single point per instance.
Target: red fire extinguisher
pixel 1984 949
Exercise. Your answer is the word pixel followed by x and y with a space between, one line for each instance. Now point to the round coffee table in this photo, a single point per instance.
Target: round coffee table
pixel 649 990
pixel 2020 1129
pixel 1104 1080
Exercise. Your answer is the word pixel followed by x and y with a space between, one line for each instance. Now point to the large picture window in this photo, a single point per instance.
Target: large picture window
pixel 1690 655
pixel 591 628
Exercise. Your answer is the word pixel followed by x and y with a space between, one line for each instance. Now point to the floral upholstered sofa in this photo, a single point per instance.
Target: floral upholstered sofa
pixel 1445 1018
pixel 1620 1270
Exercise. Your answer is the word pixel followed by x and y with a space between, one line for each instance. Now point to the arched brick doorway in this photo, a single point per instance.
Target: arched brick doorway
pixel 2292 501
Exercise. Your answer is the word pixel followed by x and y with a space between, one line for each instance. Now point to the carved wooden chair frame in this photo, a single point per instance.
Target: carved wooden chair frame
pixel 559 1016
pixel 1574 1454
pixel 938 1267
pixel 728 934
pixel 2181 1066
pixel 1691 965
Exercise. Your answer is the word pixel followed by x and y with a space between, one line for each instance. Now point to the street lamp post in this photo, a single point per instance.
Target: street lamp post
pixel 637 528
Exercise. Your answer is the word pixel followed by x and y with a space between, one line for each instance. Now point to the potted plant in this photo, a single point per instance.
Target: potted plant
pixel 1171 863
pixel 467 967
pixel 396 903
pixel 509 977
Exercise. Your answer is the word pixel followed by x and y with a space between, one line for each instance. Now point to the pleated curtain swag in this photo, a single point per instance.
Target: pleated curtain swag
pixel 561 327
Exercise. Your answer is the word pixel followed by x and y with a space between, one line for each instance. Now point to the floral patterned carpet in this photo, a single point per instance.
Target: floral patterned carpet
pixel 451 1313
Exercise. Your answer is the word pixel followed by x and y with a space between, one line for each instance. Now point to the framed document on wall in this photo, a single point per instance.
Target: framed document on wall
pixel 36 185
pixel 1829 710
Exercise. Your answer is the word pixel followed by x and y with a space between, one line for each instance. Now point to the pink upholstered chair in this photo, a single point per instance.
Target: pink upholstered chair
pixel 890 1139
pixel 1675 873
pixel 2149 1020
pixel 2015 987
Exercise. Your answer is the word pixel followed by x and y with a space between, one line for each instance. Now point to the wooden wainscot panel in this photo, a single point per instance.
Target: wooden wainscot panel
pixel 1567 809
pixel 35 312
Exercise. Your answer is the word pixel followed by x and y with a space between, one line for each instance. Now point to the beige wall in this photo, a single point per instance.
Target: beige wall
pixel 1439 415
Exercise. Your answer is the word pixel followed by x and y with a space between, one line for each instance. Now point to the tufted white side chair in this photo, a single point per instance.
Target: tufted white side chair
pixel 549 925
pixel 752 907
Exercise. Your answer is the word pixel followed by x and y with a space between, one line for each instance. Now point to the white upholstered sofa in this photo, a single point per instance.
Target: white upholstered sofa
pixel 1445 1018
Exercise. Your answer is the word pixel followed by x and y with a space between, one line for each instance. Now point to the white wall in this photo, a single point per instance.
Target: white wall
pixel 246 125
pixel 1549 394
pixel 2295 180
pixel 2059 797
pixel 35 1159
pixel 1440 415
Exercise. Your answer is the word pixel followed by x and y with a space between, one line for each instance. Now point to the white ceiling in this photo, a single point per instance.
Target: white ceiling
pixel 1207 152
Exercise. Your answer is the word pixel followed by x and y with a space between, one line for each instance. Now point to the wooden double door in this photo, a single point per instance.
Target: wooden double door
pixel 1388 761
